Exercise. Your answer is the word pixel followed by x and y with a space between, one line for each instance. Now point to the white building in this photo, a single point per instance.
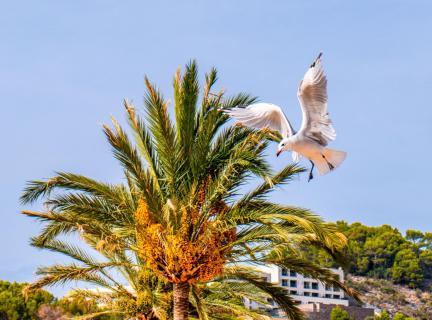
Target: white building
pixel 306 290
pixel 302 288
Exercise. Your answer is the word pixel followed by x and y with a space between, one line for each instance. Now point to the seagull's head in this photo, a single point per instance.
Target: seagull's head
pixel 284 145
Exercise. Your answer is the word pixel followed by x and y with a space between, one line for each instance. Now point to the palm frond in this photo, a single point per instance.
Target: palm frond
pixel 186 90
pixel 144 143
pixel 163 134
pixel 284 176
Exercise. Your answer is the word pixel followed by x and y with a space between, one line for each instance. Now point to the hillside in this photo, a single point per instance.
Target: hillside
pixel 385 253
pixel 393 271
pixel 384 294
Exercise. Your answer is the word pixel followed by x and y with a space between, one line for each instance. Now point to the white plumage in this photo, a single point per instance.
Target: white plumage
pixel 316 130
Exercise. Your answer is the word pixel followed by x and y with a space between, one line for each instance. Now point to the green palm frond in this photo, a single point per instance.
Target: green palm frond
pixel 69 250
pixel 284 176
pixel 144 143
pixel 69 181
pixel 186 91
pixel 163 134
pixel 61 274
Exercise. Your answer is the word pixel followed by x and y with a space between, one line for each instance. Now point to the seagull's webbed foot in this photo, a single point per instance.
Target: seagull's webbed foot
pixel 310 172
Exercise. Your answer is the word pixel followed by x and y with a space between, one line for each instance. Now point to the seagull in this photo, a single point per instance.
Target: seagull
pixel 316 130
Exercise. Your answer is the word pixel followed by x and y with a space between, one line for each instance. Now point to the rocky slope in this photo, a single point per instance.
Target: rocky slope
pixel 383 294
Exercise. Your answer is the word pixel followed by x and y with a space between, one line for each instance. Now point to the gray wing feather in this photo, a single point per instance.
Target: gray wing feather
pixel 263 115
pixel 312 94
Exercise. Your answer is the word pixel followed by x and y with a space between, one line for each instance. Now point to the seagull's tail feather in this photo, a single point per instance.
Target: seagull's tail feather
pixel 335 157
pixel 331 160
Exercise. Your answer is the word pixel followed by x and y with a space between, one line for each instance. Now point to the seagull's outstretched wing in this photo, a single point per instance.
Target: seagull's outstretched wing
pixel 312 94
pixel 263 115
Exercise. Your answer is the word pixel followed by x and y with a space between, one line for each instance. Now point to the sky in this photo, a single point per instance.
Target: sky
pixel 66 66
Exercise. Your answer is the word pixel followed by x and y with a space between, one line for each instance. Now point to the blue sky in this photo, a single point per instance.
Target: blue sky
pixel 66 66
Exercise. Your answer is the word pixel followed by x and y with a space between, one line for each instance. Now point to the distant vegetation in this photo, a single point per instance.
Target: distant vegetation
pixel 338 313
pixel 42 305
pixel 15 307
pixel 384 253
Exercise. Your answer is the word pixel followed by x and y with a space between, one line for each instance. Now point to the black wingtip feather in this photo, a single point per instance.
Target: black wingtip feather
pixel 317 58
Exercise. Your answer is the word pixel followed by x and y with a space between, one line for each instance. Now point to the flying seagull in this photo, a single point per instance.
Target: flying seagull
pixel 316 130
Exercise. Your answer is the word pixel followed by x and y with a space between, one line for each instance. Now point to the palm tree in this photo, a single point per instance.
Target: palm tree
pixel 182 215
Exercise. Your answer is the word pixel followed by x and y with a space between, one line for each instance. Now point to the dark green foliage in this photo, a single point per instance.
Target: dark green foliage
pixel 14 304
pixel 41 305
pixel 383 252
pixel 406 268
pixel 338 313
pixel 401 316
pixel 383 316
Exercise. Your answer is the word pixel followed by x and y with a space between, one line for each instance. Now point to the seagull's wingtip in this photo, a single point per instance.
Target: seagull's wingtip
pixel 316 60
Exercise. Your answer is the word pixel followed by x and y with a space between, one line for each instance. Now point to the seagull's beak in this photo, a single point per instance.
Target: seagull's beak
pixel 278 153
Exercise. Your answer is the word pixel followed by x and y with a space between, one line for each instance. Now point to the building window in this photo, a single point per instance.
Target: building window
pixel 306 294
pixel 307 285
pixel 314 294
pixel 284 272
pixel 293 273
pixel 293 284
pixel 328 288
pixel 314 285
pixel 328 295
pixel 336 296
pixel 284 283
pixel 336 289
pixel 293 292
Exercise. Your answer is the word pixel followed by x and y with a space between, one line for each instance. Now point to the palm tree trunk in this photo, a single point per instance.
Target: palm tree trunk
pixel 181 301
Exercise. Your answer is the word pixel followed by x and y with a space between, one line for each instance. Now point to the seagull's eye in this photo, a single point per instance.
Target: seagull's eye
pixel 283 144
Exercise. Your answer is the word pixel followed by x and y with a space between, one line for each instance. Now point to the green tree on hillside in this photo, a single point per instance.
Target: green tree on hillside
pixel 425 258
pixel 338 313
pixel 381 250
pixel 401 316
pixel 383 316
pixel 16 306
pixel 179 220
pixel 406 268
pixel 414 236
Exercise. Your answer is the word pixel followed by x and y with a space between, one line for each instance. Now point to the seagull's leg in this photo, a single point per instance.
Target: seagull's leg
pixel 310 172
pixel 331 167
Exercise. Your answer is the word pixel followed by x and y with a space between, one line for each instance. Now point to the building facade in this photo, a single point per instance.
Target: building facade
pixel 306 290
